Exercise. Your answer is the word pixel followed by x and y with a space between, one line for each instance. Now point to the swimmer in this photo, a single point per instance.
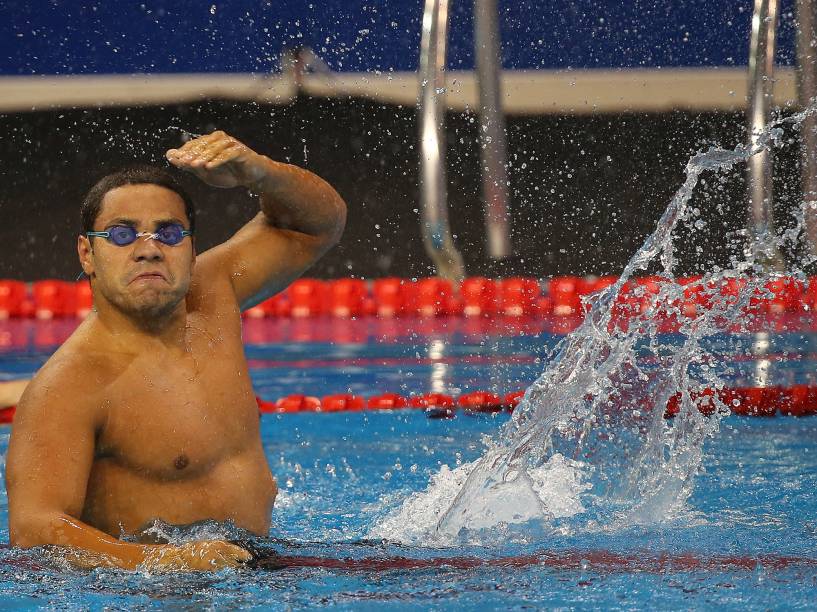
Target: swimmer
pixel 147 411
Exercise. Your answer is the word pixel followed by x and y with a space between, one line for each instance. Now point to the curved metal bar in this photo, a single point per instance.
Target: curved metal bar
pixel 434 197
pixel 807 95
pixel 494 150
pixel 761 73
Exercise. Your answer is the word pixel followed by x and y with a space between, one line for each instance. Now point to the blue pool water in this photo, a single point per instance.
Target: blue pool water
pixel 341 474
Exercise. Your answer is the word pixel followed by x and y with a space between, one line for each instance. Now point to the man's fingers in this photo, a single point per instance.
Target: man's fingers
pixel 231 561
pixel 228 154
pixel 174 157
pixel 204 155
pixel 203 151
pixel 213 154
pixel 197 145
pixel 233 556
pixel 238 553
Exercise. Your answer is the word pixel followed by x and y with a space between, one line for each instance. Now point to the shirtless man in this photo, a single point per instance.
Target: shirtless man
pixel 147 411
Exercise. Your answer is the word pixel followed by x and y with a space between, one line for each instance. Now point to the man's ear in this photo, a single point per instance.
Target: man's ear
pixel 85 250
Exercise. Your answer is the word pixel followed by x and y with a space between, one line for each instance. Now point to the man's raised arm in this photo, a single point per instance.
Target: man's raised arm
pixel 47 467
pixel 301 216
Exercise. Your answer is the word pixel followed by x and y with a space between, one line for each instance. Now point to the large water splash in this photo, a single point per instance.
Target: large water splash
pixel 590 433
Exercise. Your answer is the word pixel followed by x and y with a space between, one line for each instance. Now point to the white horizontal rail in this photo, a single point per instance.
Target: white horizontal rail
pixel 577 92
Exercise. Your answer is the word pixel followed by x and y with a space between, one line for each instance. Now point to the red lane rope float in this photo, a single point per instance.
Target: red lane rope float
pixel 436 405
pixel 342 402
pixel 7 414
pixel 481 401
pixel 560 297
pixel 386 401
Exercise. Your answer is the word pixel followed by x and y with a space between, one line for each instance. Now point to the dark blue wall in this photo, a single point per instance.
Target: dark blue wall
pixel 78 37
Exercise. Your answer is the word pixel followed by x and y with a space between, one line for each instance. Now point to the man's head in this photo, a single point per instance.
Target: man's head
pixel 145 279
pixel 134 175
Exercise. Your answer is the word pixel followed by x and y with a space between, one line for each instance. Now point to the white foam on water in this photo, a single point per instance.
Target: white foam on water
pixel 549 491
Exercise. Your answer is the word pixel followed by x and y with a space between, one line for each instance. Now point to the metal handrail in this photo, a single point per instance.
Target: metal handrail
pixel 494 150
pixel 434 193
pixel 761 73
pixel 761 219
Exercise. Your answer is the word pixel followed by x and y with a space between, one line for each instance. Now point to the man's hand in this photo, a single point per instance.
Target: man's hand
pixel 206 555
pixel 220 160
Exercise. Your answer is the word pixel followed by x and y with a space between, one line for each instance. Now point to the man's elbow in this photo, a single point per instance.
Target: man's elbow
pixel 23 536
pixel 333 233
pixel 33 530
pixel 23 539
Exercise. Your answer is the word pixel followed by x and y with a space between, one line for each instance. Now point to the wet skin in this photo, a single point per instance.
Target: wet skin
pixel 147 411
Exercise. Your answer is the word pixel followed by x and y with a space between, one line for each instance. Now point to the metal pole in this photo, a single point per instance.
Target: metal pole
pixel 436 231
pixel 807 95
pixel 761 73
pixel 494 148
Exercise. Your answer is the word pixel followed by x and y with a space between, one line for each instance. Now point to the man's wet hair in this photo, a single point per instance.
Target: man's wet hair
pixel 133 175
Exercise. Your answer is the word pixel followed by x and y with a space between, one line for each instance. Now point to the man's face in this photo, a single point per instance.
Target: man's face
pixel 145 279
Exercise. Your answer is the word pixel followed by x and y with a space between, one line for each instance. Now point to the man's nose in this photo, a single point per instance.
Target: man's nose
pixel 146 249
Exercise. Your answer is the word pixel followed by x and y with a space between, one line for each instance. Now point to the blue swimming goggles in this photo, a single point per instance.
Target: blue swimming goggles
pixel 123 235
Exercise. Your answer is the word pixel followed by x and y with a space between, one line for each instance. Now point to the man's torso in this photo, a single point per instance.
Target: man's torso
pixel 179 439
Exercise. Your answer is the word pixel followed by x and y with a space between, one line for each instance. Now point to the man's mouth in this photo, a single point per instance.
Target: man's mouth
pixel 149 277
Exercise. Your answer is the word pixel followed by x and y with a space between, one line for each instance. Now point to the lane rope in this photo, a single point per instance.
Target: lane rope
pixel 435 297
pixel 796 401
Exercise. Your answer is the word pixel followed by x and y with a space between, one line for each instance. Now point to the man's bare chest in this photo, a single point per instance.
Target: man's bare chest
pixel 178 415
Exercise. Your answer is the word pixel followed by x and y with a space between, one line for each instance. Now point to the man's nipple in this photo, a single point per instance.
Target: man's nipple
pixel 181 462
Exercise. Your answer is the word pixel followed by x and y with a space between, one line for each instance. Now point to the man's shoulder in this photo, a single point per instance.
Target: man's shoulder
pixel 75 362
pixel 62 396
pixel 72 376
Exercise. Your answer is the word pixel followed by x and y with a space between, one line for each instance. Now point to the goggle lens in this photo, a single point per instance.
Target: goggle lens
pixel 122 235
pixel 170 235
